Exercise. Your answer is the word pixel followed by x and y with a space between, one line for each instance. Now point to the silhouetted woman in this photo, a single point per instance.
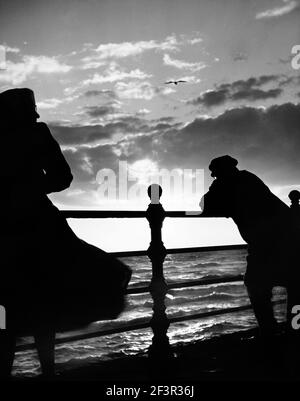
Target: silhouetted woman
pixel 50 279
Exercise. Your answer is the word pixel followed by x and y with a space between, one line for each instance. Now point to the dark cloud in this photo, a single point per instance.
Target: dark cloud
pixel 88 134
pixel 266 141
pixel 290 80
pixel 100 111
pixel 211 98
pixel 240 57
pixel 85 161
pixel 166 119
pixel 287 60
pixel 78 135
pixel 239 90
pixel 104 92
pixel 256 94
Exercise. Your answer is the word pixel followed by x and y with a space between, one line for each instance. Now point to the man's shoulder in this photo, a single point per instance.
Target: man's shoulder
pixel 250 177
pixel 246 173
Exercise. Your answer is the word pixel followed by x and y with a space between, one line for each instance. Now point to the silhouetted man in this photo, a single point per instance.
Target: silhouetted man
pixel 264 222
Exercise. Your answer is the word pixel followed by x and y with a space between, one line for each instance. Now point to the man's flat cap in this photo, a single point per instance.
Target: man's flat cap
pixel 222 162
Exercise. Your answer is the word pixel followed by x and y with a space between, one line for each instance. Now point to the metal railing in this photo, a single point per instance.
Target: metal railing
pixel 158 288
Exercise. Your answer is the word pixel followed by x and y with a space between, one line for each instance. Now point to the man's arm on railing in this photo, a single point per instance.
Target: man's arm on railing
pixel 213 204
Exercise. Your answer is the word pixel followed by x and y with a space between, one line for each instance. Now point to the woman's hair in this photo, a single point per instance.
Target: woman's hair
pixel 16 105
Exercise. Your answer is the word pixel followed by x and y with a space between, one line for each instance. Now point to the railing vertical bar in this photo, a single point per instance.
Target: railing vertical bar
pixel 160 348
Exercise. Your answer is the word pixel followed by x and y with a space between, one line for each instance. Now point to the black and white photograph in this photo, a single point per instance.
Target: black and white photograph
pixel 150 189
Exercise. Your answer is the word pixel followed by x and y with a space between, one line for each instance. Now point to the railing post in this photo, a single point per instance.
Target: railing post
pixel 294 198
pixel 160 348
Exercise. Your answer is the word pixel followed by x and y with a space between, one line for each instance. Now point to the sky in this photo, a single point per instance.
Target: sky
pixel 99 70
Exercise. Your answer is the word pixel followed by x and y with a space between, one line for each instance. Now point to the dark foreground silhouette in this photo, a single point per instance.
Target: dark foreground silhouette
pixel 268 227
pixel 50 279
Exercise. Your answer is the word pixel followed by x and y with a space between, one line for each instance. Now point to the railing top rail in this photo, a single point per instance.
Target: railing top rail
pixel 128 214
pixel 101 214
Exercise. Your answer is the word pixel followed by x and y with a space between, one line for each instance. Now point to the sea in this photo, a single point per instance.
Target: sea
pixel 179 302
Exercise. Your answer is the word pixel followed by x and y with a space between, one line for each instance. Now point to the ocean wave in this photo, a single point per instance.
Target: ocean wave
pixel 212 297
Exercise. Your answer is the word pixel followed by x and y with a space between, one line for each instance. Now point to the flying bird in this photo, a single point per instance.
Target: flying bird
pixel 175 82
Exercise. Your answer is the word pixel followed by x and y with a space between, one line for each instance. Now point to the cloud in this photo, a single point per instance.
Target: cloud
pixel 210 98
pixel 140 90
pixel 292 80
pixel 54 102
pixel 10 49
pixel 143 112
pixel 125 49
pixel 111 51
pixel 166 119
pixel 239 90
pixel 191 79
pixel 49 103
pixel 265 141
pixel 240 57
pixel 100 111
pixel 135 90
pixel 195 41
pixel 103 53
pixel 113 74
pixel 72 136
pixel 287 8
pixel 18 72
pixel 256 94
pixel 86 161
pixel 90 64
pixel 106 93
pixel 183 65
pixel 75 137
pixel 287 60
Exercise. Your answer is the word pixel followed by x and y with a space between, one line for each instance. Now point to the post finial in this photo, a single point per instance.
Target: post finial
pixel 294 196
pixel 154 193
